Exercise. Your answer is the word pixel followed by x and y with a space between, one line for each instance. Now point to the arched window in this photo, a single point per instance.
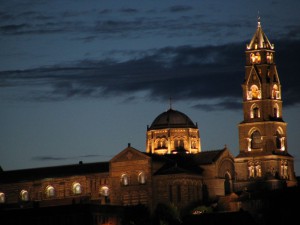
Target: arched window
pixel 256 140
pixel 275 92
pixel 104 191
pixel 24 195
pixel 227 184
pixel 280 140
pixel 179 144
pixel 193 144
pixel 50 191
pixel 254 169
pixel 255 112
pixel 257 169
pixel 161 143
pixel 251 170
pixel 2 197
pixel 255 58
pixel 255 92
pixel 124 179
pixel 142 178
pixel 269 57
pixel 77 189
pixel 284 169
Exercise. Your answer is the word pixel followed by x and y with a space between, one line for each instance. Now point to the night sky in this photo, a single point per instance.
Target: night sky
pixel 79 80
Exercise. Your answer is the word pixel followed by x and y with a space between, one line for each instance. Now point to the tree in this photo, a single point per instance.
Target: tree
pixel 166 214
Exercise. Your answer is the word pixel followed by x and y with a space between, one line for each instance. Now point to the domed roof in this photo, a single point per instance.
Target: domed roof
pixel 172 119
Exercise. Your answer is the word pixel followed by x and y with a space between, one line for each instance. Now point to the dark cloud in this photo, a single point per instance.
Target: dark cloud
pixel 13 28
pixel 108 24
pixel 287 63
pixel 226 104
pixel 58 158
pixel 48 158
pixel 129 10
pixel 105 11
pixel 180 8
pixel 183 73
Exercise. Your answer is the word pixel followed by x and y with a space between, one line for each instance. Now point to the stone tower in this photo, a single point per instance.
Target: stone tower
pixel 263 161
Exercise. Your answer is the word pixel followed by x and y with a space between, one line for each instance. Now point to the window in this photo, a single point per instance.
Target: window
pixel 24 195
pixel 50 192
pixel 142 178
pixel 193 144
pixel 77 189
pixel 179 144
pixel 254 113
pixel 104 191
pixel 251 170
pixel 257 169
pixel 255 58
pixel 227 184
pixel 284 169
pixel 161 144
pixel 255 92
pixel 124 179
pixel 269 57
pixel 256 140
pixel 275 92
pixel 280 140
pixel 2 197
pixel 254 169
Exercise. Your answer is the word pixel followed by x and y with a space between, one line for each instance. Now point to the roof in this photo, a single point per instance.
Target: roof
pixel 185 163
pixel 172 164
pixel 172 119
pixel 259 40
pixel 55 171
pixel 208 157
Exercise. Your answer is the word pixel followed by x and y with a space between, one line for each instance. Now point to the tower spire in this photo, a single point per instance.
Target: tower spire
pixel 170 102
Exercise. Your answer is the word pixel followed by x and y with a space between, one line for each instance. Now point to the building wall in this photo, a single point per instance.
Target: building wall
pixel 182 190
pixel 137 188
pixel 63 188
pixel 163 141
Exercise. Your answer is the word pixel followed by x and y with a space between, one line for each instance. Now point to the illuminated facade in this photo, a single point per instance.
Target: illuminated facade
pixel 174 169
pixel 172 131
pixel 263 156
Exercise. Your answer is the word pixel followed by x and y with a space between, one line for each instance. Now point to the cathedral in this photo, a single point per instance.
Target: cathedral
pixel 173 168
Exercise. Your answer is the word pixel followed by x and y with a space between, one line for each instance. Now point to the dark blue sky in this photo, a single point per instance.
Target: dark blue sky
pixel 81 79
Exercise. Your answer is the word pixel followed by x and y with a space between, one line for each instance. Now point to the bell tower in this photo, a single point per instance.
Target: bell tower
pixel 263 159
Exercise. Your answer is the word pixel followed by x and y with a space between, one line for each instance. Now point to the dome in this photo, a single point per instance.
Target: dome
pixel 172 119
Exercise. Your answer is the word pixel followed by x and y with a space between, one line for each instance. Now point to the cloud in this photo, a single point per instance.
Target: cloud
pixel 180 8
pixel 226 104
pixel 58 158
pixel 48 158
pixel 183 73
pixel 128 10
pixel 107 23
